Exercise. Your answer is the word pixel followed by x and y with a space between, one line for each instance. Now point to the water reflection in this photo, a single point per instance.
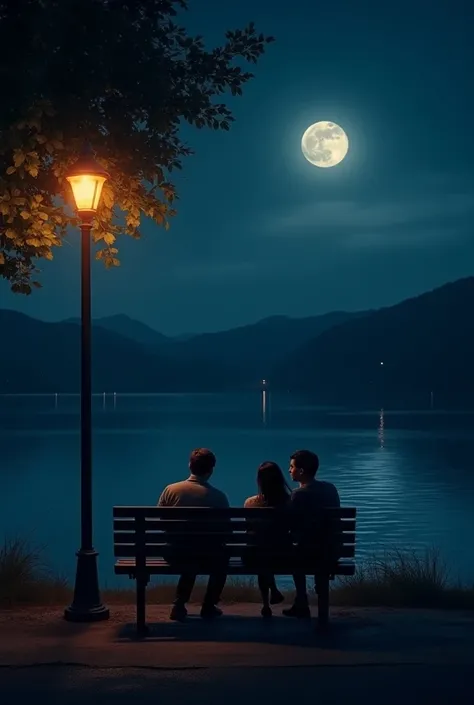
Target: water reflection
pixel 410 480
pixel 381 429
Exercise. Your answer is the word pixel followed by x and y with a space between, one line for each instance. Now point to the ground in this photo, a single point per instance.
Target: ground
pixel 368 655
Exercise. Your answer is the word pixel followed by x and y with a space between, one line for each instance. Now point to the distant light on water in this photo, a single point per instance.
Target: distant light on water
pixel 381 429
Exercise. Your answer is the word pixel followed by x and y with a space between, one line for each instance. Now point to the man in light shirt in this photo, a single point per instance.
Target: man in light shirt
pixel 196 491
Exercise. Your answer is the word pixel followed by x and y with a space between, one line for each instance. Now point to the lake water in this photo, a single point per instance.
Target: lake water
pixel 410 475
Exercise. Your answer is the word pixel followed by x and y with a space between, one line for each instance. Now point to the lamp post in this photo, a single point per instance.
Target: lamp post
pixel 87 178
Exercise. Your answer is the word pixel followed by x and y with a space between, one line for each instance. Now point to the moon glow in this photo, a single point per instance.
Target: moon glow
pixel 324 144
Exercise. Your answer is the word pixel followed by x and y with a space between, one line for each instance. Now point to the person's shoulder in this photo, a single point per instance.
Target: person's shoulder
pixel 297 492
pixel 329 493
pixel 328 486
pixel 325 483
pixel 176 486
pixel 219 496
pixel 171 492
pixel 253 501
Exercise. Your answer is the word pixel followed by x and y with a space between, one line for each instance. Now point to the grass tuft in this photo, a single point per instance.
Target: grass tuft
pixel 394 579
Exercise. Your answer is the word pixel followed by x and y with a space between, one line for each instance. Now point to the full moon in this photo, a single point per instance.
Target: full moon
pixel 324 144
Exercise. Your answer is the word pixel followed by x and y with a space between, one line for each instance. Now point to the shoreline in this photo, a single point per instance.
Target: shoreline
pixel 399 579
pixel 240 638
pixel 46 595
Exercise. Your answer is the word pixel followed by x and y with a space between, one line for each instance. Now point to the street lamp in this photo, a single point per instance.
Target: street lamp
pixel 87 178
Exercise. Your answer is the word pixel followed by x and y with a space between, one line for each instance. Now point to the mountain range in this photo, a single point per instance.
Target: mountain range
pixel 394 356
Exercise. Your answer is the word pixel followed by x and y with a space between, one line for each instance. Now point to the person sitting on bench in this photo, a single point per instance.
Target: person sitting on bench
pixel 306 502
pixel 273 491
pixel 196 491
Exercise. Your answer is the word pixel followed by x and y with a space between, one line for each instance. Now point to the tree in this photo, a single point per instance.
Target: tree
pixel 120 75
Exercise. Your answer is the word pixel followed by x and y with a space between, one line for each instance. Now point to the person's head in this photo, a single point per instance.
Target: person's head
pixel 272 484
pixel 202 462
pixel 304 465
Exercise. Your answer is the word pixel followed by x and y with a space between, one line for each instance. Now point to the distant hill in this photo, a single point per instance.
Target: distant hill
pixel 248 352
pixel 425 343
pixel 130 328
pixel 45 357
pixel 254 349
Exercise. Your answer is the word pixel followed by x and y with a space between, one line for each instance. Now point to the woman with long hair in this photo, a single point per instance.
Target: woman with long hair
pixel 273 491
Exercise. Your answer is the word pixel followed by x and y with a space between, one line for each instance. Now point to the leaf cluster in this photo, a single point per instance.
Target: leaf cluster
pixel 122 76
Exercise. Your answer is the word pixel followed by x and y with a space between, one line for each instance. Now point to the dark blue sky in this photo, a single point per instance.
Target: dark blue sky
pixel 260 231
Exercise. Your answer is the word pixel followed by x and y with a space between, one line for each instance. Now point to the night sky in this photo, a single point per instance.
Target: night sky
pixel 259 230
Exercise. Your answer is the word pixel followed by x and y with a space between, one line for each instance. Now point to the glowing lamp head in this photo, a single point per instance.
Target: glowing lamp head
pixel 87 178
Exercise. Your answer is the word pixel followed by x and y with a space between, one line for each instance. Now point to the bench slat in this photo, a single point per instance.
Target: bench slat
pixel 192 526
pixel 208 513
pixel 128 550
pixel 236 567
pixel 241 537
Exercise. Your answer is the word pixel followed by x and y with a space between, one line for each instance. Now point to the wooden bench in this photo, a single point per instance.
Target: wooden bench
pixel 141 537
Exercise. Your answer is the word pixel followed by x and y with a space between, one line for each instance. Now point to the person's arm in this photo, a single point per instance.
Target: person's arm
pixel 337 499
pixel 298 515
pixel 164 500
pixel 249 524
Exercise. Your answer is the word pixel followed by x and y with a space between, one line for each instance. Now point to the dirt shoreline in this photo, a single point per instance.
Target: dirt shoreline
pixel 357 636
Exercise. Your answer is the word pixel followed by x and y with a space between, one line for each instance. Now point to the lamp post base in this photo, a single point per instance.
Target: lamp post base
pixel 86 605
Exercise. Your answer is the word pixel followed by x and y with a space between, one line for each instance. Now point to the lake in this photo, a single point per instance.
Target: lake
pixel 408 473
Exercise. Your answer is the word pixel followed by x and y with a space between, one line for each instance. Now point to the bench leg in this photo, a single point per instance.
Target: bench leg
pixel 142 629
pixel 323 600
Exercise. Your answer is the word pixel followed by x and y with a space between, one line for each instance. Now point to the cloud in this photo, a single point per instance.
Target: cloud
pixel 351 215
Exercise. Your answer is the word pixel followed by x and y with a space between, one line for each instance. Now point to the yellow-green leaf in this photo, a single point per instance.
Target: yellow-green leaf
pixel 25 215
pixel 109 238
pixel 33 171
pixel 33 242
pixel 18 157
pixel 108 198
pixel 10 234
pixel 43 216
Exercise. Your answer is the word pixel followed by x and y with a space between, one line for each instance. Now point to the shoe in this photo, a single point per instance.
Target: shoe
pixel 298 611
pixel 266 612
pixel 210 612
pixel 178 613
pixel 276 598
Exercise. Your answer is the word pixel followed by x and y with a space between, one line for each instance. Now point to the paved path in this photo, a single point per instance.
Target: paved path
pixel 389 656
pixel 325 685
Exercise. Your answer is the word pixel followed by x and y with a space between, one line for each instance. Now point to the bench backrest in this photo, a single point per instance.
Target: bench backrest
pixel 145 532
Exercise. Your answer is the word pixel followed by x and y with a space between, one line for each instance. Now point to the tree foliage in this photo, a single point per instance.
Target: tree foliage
pixel 121 75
